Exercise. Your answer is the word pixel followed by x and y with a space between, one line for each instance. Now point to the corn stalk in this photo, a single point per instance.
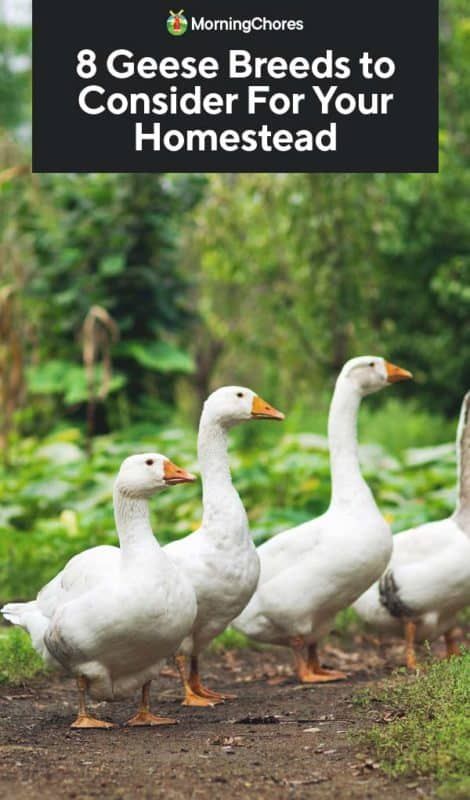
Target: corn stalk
pixel 99 332
pixel 7 175
pixel 11 365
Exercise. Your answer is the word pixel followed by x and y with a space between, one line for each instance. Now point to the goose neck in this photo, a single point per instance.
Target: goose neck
pixel 223 509
pixel 213 455
pixel 346 478
pixel 133 525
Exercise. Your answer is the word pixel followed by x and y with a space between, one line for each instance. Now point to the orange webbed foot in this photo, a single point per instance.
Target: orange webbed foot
pixel 323 676
pixel 85 721
pixel 193 699
pixel 202 691
pixel 146 718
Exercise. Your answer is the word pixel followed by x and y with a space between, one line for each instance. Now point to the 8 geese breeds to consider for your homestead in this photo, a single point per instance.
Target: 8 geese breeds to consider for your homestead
pixel 220 558
pixel 428 579
pixel 110 621
pixel 313 571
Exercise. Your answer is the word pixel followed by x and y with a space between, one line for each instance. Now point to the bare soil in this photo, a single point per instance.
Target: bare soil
pixel 278 740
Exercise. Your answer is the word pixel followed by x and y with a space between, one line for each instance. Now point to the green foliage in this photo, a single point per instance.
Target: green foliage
pixel 18 660
pixel 15 75
pixel 159 357
pixel 300 272
pixel 66 379
pixel 393 424
pixel 347 622
pixel 98 240
pixel 431 730
pixel 231 639
pixel 55 500
pixel 116 234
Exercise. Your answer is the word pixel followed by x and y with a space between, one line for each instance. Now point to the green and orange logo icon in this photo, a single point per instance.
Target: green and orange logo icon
pixel 177 24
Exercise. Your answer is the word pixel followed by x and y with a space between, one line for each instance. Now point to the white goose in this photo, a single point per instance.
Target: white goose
pixel 110 622
pixel 220 558
pixel 428 579
pixel 313 571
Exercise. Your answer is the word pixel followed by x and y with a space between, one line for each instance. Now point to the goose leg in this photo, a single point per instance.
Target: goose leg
pixel 83 719
pixel 452 645
pixel 303 672
pixel 191 698
pixel 326 674
pixel 144 716
pixel 308 669
pixel 410 634
pixel 202 691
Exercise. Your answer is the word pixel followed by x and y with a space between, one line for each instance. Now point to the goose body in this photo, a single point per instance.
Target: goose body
pixel 428 579
pixel 221 562
pixel 304 583
pixel 311 572
pixel 113 614
pixel 219 559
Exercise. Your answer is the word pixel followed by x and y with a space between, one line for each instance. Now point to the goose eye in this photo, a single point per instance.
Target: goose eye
pixel 239 394
pixel 149 462
pixel 371 364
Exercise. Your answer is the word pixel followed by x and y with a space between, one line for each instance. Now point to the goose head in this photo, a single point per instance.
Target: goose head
pixel 145 474
pixel 369 374
pixel 233 404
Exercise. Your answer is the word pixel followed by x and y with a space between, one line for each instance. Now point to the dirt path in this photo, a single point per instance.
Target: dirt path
pixel 276 741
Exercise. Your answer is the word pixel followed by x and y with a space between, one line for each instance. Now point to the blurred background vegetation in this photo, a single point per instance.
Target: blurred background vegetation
pixel 124 299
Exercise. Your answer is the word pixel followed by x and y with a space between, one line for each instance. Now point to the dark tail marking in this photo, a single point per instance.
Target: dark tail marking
pixel 390 597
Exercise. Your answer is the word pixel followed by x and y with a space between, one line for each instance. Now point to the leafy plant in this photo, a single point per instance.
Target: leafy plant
pixel 56 500
pixel 18 660
pixel 68 380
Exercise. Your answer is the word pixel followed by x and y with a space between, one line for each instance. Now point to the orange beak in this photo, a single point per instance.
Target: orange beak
pixel 174 474
pixel 262 410
pixel 395 374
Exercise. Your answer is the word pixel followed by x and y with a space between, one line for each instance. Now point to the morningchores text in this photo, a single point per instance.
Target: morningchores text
pixel 179 88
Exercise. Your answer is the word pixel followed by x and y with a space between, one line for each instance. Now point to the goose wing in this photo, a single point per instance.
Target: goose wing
pixel 81 574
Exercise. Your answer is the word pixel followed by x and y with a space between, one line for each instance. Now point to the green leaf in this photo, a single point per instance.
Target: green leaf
pixel 77 390
pixel 159 357
pixel 67 379
pixel 112 265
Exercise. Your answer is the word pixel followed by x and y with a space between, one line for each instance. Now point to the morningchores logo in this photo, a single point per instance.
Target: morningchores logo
pixel 177 24
pixel 250 25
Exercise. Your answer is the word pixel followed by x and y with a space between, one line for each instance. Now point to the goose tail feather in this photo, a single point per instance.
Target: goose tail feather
pixel 14 613
pixel 462 513
pixel 389 594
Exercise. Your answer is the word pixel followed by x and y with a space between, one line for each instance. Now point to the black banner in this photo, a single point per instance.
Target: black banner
pixel 235 87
